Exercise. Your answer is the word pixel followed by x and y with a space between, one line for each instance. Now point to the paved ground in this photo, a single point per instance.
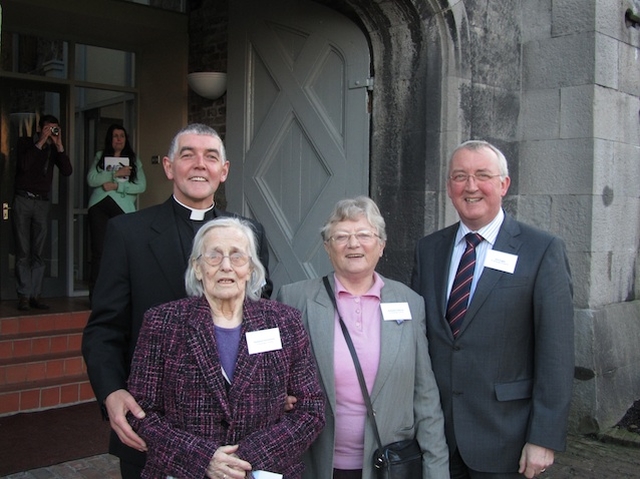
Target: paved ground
pixel 585 458
pixel 96 467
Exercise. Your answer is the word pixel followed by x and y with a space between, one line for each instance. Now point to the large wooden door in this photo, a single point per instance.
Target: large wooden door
pixel 297 124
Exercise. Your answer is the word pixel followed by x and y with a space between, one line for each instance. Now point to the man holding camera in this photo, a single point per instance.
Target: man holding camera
pixel 34 173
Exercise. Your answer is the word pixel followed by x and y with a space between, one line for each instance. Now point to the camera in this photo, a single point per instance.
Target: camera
pixel 55 130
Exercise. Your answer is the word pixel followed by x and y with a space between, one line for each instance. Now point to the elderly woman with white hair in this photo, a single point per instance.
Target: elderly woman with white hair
pixel 212 371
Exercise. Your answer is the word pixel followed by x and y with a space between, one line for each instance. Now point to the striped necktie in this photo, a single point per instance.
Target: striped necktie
pixel 461 289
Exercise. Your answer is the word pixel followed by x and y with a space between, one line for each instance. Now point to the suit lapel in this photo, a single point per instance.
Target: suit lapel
pixel 441 263
pixel 391 340
pixel 246 364
pixel 321 326
pixel 508 242
pixel 200 341
pixel 167 250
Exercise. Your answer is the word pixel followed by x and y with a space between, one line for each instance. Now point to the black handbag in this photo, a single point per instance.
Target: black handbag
pixel 398 460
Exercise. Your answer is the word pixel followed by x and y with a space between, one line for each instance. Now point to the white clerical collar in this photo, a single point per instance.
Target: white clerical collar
pixel 197 215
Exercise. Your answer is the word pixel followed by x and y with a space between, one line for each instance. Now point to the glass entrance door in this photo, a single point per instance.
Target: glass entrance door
pixel 95 111
pixel 22 103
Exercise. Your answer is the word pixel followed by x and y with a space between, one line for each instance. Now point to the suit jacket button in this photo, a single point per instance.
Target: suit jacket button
pixel 224 424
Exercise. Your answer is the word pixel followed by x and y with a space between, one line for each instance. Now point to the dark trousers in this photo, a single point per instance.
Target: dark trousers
pixel 347 474
pixel 459 470
pixel 99 215
pixel 130 471
pixel 30 227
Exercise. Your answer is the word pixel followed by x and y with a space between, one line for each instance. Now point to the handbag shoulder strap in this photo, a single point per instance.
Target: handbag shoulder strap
pixel 356 362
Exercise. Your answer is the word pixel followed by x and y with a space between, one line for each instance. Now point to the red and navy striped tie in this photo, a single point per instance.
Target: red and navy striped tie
pixel 461 289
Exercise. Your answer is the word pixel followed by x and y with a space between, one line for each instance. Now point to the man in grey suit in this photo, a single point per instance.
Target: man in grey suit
pixel 503 354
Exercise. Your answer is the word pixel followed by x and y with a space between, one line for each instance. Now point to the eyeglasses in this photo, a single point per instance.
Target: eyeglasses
pixel 363 237
pixel 479 177
pixel 215 258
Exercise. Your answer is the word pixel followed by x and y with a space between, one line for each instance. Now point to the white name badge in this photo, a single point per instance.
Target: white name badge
pixel 263 341
pixel 265 475
pixel 501 261
pixel 395 311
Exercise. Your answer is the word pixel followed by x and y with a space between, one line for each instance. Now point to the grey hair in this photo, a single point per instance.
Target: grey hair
pixel 196 129
pixel 351 209
pixel 193 285
pixel 475 145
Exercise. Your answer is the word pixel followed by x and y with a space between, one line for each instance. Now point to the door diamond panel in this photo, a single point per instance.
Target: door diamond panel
pixel 297 135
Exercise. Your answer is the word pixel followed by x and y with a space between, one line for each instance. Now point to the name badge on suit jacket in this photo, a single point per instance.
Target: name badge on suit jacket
pixel 501 261
pixel 395 311
pixel 264 341
pixel 265 475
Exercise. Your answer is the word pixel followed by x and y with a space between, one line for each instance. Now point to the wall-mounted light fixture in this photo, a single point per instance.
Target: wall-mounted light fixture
pixel 211 85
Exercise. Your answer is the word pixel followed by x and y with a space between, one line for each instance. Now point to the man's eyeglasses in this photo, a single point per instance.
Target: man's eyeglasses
pixel 464 177
pixel 363 237
pixel 215 258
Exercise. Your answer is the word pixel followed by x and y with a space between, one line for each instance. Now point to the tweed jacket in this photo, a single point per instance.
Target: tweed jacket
pixel 176 377
pixel 507 378
pixel 404 395
pixel 143 266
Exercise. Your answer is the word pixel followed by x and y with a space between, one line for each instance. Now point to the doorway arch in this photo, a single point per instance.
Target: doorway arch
pixel 418 49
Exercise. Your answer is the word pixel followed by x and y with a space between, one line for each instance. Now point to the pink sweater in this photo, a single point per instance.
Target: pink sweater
pixel 362 316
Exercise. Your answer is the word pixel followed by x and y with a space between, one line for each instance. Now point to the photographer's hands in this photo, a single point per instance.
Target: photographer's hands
pixel 51 131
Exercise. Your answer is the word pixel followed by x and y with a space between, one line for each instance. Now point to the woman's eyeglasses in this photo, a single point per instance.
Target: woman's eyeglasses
pixel 215 258
pixel 363 237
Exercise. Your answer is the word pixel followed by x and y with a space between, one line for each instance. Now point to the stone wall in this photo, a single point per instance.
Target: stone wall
pixel 579 168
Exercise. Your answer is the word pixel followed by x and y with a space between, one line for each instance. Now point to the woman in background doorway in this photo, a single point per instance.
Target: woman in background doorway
pixel 117 178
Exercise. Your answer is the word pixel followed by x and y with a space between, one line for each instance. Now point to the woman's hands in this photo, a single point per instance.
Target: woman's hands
pixel 123 171
pixel 225 464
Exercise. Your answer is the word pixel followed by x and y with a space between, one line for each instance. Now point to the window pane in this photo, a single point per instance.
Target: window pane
pixel 96 110
pixel 34 55
pixel 104 65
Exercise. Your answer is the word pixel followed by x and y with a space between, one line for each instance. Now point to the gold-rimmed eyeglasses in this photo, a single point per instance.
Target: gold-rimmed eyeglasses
pixel 341 238
pixel 215 258
pixel 479 177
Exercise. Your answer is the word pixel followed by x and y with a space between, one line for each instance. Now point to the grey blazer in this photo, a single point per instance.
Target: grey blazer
pixel 507 378
pixel 404 396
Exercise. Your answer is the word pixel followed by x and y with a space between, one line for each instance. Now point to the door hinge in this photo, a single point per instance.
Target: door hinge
pixel 362 83
pixel 5 211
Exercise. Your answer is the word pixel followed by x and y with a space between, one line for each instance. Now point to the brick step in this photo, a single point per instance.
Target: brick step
pixel 44 394
pixel 14 347
pixel 41 365
pixel 43 323
pixel 38 368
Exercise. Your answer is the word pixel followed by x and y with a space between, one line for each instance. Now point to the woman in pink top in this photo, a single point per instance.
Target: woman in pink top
pixel 392 350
